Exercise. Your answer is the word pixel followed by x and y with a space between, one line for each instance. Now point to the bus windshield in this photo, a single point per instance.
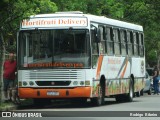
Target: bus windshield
pixel 62 48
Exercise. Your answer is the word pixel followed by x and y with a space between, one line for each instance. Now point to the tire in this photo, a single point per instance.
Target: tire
pixel 141 92
pixel 149 91
pixel 138 94
pixel 129 96
pixel 98 101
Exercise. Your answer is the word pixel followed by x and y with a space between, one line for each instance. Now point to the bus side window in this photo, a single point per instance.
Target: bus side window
pixel 30 46
pixel 132 41
pixel 95 48
pixel 123 43
pixel 117 42
pixel 110 43
pixel 135 44
pixel 141 45
pixel 126 41
pixel 102 45
pixel 129 37
pixel 142 38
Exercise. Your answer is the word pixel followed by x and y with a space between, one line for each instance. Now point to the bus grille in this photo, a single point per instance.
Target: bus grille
pixel 58 77
pixel 51 83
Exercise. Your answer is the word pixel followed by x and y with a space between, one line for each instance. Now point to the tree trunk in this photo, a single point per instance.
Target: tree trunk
pixel 2 58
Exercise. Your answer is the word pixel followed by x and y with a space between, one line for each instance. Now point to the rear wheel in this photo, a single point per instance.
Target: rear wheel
pixel 129 96
pixel 141 93
pixel 149 91
pixel 138 94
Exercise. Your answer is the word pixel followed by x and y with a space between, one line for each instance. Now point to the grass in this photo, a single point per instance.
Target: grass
pixel 7 106
pixel 11 106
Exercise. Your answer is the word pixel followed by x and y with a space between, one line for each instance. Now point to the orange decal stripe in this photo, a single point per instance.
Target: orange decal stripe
pixel 100 59
pixel 122 75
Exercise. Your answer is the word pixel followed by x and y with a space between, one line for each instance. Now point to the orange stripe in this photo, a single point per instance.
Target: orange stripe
pixel 100 59
pixel 122 75
pixel 72 93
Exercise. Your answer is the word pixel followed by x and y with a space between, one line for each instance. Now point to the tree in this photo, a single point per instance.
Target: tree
pixel 13 11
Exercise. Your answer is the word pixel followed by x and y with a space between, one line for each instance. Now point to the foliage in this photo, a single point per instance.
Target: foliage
pixel 12 12
pixel 143 12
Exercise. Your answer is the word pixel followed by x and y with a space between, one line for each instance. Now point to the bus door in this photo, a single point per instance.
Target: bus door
pixel 28 49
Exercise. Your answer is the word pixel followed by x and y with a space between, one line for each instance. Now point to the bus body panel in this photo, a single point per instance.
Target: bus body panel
pixel 77 92
pixel 118 71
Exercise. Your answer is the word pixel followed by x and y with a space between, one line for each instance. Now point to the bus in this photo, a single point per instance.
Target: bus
pixel 77 56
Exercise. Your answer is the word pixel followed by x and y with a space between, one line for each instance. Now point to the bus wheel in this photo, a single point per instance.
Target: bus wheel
pixel 149 91
pixel 141 92
pixel 100 99
pixel 129 97
pixel 138 94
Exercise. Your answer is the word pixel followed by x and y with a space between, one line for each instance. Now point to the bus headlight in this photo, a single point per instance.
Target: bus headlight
pixel 75 83
pixel 24 83
pixel 81 82
pixel 31 83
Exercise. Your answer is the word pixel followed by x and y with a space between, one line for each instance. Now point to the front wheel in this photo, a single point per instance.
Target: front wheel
pixel 100 99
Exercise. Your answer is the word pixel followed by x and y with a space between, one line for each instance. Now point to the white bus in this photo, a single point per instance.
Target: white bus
pixel 71 55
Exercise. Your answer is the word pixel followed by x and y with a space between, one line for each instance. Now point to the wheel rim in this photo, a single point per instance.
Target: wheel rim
pixel 131 92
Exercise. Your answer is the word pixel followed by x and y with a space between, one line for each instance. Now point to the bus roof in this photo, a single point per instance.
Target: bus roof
pixel 92 18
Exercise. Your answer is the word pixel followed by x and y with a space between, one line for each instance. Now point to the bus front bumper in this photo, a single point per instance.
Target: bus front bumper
pixel 76 92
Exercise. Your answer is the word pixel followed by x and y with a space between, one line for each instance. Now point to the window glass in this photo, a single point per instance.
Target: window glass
pixel 130 47
pixel 135 44
pixel 123 42
pixel 132 41
pixel 141 46
pixel 102 44
pixel 116 41
pixel 95 50
pixel 110 43
pixel 61 48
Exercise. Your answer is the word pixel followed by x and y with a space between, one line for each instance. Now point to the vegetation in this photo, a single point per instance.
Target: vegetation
pixel 144 12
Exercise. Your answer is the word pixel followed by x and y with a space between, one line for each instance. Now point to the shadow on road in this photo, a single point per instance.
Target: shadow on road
pixel 61 104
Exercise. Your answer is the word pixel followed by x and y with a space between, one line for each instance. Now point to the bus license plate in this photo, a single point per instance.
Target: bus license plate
pixel 52 93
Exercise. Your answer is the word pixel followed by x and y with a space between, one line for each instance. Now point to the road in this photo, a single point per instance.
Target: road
pixel 121 111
